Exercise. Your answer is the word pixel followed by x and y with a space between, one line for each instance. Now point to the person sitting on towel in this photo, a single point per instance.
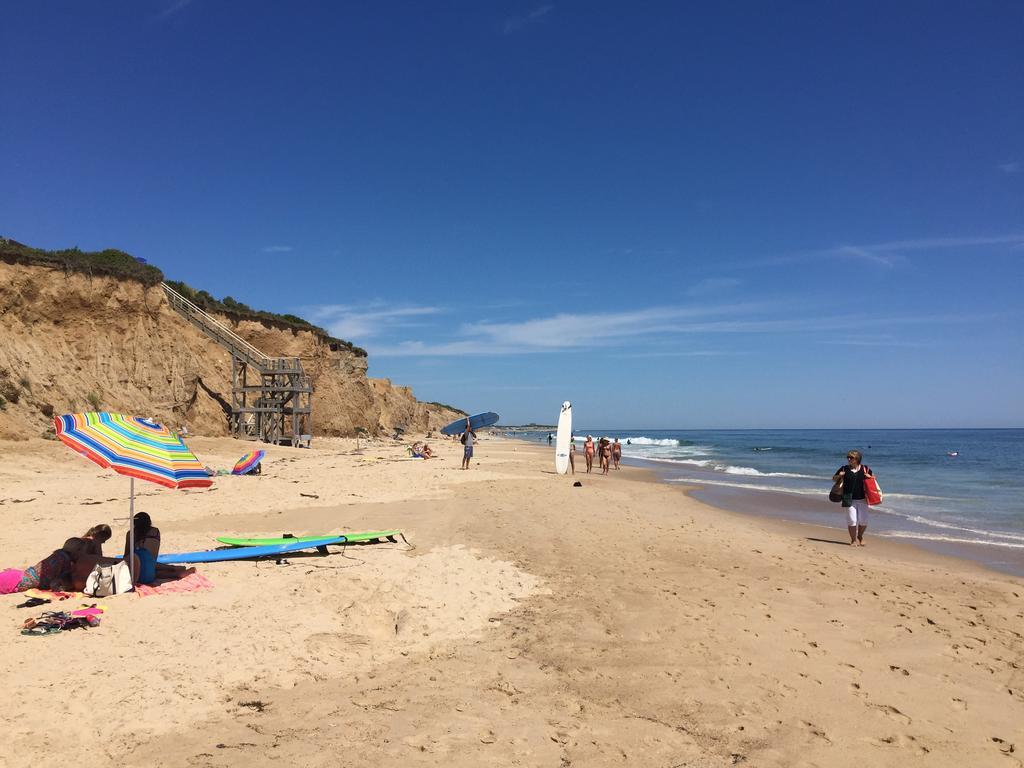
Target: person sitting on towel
pixel 147 549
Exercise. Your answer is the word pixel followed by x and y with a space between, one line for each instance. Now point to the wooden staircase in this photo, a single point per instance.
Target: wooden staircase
pixel 271 397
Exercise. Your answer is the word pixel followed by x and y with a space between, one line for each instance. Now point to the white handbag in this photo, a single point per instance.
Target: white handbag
pixel 106 580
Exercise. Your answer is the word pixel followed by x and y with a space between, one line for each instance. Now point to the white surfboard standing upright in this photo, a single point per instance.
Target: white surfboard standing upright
pixel 563 438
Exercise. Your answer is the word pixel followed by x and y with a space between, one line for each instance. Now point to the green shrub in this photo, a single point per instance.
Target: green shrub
pixel 236 310
pixel 109 262
pixel 449 407
pixel 94 401
pixel 114 263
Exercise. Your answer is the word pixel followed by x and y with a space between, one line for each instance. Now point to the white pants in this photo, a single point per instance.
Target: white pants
pixel 857 513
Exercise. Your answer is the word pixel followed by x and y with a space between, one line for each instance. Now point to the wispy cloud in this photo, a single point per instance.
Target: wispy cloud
pixel 565 331
pixel 656 326
pixel 1014 167
pixel 680 353
pixel 712 285
pixel 367 321
pixel 278 249
pixel 172 9
pixel 884 340
pixel 517 23
pixel 889 253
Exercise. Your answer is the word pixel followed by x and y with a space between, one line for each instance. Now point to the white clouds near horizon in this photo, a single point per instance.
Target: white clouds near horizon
pixel 654 325
pixel 368 321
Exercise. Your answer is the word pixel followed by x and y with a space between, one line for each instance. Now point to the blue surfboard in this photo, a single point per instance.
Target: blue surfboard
pixel 244 553
pixel 479 421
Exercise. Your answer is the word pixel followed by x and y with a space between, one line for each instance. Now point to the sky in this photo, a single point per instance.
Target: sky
pixel 675 215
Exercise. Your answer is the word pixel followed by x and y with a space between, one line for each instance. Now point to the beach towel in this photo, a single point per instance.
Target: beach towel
pixel 194 582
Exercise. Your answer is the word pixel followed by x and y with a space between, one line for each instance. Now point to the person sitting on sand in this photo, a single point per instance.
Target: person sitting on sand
pixel 147 549
pixel 89 543
pixel 428 452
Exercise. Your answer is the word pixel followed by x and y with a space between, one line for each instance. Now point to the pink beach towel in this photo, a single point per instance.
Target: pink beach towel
pixel 194 582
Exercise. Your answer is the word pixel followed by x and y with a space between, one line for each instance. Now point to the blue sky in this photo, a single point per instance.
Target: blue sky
pixel 739 215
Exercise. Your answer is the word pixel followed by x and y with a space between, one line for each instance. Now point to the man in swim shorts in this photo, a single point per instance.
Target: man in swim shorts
pixel 467 440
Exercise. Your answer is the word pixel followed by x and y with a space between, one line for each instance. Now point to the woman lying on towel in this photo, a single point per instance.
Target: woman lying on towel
pixel 56 570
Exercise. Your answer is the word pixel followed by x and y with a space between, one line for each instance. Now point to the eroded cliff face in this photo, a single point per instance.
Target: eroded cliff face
pixel 69 342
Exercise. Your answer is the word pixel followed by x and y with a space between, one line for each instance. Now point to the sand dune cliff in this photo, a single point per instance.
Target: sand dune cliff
pixel 73 342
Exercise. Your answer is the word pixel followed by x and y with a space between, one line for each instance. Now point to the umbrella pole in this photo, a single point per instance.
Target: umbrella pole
pixel 131 532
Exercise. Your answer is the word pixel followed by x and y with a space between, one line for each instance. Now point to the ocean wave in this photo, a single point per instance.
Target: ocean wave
pixel 953 527
pixel 948 539
pixel 915 496
pixel 750 471
pixel 729 469
pixel 649 441
pixel 747 486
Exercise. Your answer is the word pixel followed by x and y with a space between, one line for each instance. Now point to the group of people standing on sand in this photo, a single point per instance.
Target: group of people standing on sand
pixel 608 452
pixel 68 568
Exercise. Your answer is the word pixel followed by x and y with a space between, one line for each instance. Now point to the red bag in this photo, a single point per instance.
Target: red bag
pixel 872 493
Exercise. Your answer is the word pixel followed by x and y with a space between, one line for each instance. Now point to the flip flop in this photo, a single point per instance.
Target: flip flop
pixel 32 602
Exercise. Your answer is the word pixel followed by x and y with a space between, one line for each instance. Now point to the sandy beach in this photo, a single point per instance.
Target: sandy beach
pixel 528 622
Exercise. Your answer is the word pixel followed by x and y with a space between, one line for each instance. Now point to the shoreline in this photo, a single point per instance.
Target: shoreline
pixel 745 503
pixel 797 509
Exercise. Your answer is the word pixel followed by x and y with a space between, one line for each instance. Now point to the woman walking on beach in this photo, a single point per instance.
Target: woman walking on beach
pixel 606 455
pixel 616 452
pixel 588 453
pixel 854 499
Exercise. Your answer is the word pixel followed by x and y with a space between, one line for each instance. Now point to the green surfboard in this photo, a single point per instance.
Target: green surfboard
pixel 349 539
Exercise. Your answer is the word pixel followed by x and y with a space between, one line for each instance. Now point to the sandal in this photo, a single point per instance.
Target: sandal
pixel 41 629
pixel 32 602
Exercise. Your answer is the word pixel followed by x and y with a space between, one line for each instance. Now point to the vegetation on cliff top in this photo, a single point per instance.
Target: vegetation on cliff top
pixel 445 405
pixel 120 265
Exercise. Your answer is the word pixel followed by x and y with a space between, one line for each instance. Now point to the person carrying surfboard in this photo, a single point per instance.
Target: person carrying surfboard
pixel 468 436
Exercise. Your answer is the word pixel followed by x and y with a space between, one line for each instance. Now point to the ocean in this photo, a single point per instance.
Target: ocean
pixel 955 491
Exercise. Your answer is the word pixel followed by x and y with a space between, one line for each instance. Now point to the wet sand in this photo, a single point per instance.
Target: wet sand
pixel 534 623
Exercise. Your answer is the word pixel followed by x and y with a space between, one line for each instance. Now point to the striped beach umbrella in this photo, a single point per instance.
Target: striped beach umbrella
pixel 135 447
pixel 132 446
pixel 247 462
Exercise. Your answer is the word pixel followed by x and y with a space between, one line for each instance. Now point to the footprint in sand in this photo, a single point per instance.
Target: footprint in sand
pixel 891 712
pixel 816 731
